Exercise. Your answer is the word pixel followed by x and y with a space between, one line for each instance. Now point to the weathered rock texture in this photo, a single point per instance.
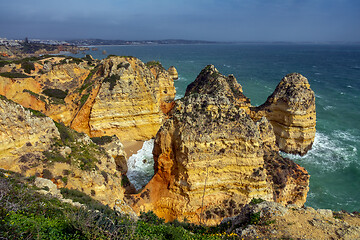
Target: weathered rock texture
pixel 211 82
pixel 173 73
pixel 129 101
pixel 35 145
pixel 269 220
pixel 291 112
pixel 119 95
pixel 211 157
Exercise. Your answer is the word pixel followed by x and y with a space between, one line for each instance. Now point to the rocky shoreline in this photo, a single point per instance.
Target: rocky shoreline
pixel 214 152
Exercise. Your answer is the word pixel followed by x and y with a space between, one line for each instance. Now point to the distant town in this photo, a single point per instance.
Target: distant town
pixel 91 42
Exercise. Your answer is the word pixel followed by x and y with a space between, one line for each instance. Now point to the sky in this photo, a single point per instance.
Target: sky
pixel 213 20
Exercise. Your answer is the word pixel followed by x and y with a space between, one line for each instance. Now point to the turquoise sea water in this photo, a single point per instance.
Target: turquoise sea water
pixel 333 72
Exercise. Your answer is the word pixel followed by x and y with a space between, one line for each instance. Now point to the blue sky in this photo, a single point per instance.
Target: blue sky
pixel 218 20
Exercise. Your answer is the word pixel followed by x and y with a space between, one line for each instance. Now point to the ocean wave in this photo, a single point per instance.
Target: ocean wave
pixel 141 165
pixel 326 108
pixel 330 152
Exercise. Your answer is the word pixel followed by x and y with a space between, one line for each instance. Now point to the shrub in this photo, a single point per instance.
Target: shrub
pixel 255 201
pixel 83 99
pixel 154 64
pixel 102 140
pixel 27 66
pixel 150 217
pixel 14 75
pixel 55 93
pixel 112 80
pixel 65 133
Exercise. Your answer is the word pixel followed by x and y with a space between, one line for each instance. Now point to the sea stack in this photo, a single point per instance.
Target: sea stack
pixel 173 73
pixel 211 157
pixel 291 112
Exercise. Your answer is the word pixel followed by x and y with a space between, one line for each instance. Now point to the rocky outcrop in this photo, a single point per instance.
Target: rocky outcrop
pixel 211 82
pixel 21 133
pixel 166 86
pixel 173 73
pixel 272 220
pixel 211 157
pixel 120 95
pixel 32 144
pixel 291 111
pixel 128 102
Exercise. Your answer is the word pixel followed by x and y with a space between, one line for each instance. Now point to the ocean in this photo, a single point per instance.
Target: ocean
pixel 333 72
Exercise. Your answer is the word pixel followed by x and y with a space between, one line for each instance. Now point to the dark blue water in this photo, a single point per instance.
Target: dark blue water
pixel 333 72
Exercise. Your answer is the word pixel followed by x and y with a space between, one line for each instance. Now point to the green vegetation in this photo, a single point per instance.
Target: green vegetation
pixel 55 93
pixel 4 63
pixel 123 65
pixel 255 201
pixel 254 218
pixel 27 66
pixel 154 64
pixel 87 83
pixel 83 155
pixel 55 156
pixel 42 98
pixel 26 214
pixel 84 98
pixel 57 96
pixel 35 113
pixel 112 80
pixel 14 75
pixel 102 140
pixel 66 134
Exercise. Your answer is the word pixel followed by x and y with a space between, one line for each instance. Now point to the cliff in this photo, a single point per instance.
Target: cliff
pixel 211 82
pixel 117 96
pixel 291 111
pixel 211 157
pixel 129 100
pixel 32 144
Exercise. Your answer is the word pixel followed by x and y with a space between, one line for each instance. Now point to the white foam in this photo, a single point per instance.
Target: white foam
pixel 141 165
pixel 330 153
pixel 328 107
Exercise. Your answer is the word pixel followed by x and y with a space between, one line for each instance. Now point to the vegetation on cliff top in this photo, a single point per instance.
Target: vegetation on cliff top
pixel 27 214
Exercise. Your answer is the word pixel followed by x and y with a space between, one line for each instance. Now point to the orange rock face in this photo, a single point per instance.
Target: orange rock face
pixel 211 157
pixel 291 111
pixel 118 96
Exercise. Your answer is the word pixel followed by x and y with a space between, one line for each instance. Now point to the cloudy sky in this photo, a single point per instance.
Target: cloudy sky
pixel 219 20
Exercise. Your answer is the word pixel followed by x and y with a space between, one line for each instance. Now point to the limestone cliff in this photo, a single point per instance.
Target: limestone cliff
pixel 211 157
pixel 128 103
pixel 32 144
pixel 173 73
pixel 211 82
pixel 291 111
pixel 119 95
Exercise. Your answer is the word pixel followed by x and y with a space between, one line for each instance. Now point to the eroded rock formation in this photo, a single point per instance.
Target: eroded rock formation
pixel 211 82
pixel 211 157
pixel 173 73
pixel 32 144
pixel 128 102
pixel 291 111
pixel 119 95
